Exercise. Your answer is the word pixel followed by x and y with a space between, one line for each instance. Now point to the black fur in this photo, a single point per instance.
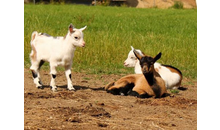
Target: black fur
pixel 125 90
pixel 34 74
pixel 133 93
pixel 70 76
pixel 144 95
pixel 45 34
pixel 41 63
pixel 136 94
pixel 152 82
pixel 149 76
pixel 54 76
pixel 122 90
pixel 114 91
pixel 157 90
pixel 40 87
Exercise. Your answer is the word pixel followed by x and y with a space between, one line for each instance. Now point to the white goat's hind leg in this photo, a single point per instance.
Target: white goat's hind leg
pixel 53 73
pixel 37 81
pixel 36 75
pixel 68 77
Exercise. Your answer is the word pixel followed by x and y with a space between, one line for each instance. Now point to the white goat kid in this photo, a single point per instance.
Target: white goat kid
pixel 171 75
pixel 57 51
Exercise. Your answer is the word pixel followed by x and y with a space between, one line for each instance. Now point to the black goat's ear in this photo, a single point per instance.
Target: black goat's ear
pixel 157 57
pixel 137 54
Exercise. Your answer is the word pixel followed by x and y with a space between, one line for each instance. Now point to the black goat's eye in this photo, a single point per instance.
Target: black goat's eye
pixel 76 38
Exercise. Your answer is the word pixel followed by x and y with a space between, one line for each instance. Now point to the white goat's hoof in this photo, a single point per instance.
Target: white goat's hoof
pixel 54 89
pixel 71 89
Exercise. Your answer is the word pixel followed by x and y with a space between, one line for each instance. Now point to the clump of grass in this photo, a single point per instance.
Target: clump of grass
pixel 178 5
pixel 174 91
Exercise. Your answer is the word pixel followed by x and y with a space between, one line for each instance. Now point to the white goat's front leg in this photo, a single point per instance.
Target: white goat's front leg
pixel 53 73
pixel 68 77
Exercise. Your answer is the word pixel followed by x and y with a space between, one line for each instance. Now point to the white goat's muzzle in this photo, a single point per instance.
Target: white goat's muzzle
pixel 83 44
pixel 126 64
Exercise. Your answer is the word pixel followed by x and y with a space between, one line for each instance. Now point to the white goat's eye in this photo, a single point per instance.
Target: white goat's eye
pixel 76 38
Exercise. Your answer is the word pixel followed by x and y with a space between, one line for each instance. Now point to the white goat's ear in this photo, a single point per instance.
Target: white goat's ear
pixel 83 28
pixel 132 48
pixel 71 27
pixel 137 54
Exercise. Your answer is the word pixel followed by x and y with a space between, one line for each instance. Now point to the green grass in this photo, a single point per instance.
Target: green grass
pixel 112 30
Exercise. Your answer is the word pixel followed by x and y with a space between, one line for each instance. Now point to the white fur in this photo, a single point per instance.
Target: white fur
pixel 58 51
pixel 170 78
pixel 132 61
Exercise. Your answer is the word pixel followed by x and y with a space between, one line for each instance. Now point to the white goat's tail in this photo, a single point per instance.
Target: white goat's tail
pixel 33 52
pixel 33 35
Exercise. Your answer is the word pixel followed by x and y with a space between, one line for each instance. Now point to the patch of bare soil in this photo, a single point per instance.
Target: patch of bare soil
pixel 90 107
pixel 160 3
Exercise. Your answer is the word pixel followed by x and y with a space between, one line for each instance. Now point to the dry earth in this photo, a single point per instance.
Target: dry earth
pixel 160 3
pixel 90 107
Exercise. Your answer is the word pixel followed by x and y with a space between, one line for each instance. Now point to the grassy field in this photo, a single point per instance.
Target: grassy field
pixel 112 30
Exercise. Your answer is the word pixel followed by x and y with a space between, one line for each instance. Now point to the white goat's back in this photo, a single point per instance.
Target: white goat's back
pixel 49 48
pixel 171 78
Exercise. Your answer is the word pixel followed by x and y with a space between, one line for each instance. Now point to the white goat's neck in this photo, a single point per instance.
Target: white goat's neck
pixel 137 68
pixel 68 45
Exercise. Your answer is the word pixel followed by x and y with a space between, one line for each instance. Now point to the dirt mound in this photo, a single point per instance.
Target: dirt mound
pixel 160 3
pixel 90 107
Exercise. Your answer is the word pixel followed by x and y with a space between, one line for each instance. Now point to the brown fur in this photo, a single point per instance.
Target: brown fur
pixel 141 86
pixel 139 81
pixel 71 28
pixel 173 70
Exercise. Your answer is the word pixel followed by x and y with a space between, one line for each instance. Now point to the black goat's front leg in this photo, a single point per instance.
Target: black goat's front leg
pixel 123 90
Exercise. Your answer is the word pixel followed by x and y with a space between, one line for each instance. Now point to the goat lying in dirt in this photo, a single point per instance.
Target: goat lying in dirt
pixel 57 51
pixel 171 75
pixel 143 85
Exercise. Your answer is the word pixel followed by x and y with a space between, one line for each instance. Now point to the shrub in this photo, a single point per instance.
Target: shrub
pixel 178 5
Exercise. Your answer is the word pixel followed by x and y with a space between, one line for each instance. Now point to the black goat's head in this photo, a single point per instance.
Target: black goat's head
pixel 147 62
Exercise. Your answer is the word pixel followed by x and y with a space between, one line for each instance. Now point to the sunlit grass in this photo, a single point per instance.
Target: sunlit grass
pixel 112 30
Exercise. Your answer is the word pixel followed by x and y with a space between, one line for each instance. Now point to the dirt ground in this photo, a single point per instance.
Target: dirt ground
pixel 90 107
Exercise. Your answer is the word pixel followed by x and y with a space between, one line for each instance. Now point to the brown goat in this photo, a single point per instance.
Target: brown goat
pixel 143 85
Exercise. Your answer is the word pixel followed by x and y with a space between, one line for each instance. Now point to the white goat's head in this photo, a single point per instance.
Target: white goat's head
pixel 76 36
pixel 132 59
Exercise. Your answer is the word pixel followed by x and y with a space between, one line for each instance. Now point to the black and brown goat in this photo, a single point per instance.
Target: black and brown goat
pixel 148 84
